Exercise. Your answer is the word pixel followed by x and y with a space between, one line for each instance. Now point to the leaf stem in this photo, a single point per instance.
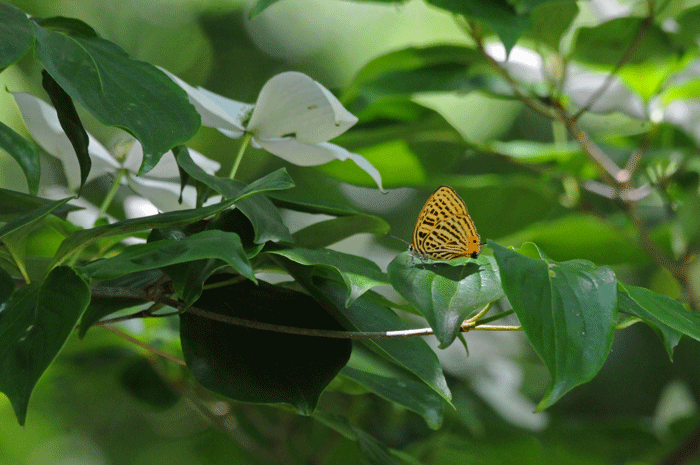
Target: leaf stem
pixel 239 155
pixel 110 195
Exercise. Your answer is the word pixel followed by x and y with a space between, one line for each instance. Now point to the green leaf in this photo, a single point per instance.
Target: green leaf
pixel 661 311
pixel 669 336
pixel 446 294
pixel 358 273
pixel 71 26
pixel 263 215
pixel 32 216
pixel 34 325
pixel 259 366
pixel 260 6
pixel 103 304
pixel 119 91
pixel 70 122
pixel 497 14
pixel 16 35
pixel 143 382
pixel 373 451
pixel 551 19
pixel 315 206
pixel 325 233
pixel 207 244
pixel 15 233
pixel 13 203
pixel 7 286
pixel 365 314
pixel 394 384
pixel 79 240
pixel 606 43
pixel 24 152
pixel 568 311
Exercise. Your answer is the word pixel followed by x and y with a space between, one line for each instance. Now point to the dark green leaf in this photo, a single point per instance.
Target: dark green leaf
pixel 607 43
pixel 373 451
pixel 658 304
pixel 70 122
pixel 325 233
pixel 446 294
pixel 71 26
pixel 263 215
pixel 259 6
pixel 34 325
pixel 659 309
pixel 315 206
pixel 32 216
pixel 16 35
pixel 551 19
pixel 358 273
pixel 24 152
pixel 103 303
pixel 499 15
pixel 207 244
pixel 568 311
pixel 13 203
pixel 119 91
pixel 7 287
pixel 366 314
pixel 258 366
pixel 145 384
pixel 397 385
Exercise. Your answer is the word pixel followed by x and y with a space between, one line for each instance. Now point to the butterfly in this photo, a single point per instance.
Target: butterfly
pixel 444 230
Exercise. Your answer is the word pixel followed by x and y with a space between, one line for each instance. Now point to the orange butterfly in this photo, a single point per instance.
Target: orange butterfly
pixel 444 230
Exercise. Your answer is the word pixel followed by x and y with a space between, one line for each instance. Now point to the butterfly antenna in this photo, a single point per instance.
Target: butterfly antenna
pixel 399 239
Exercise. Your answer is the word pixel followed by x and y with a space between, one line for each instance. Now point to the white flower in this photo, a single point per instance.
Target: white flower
pixel 161 185
pixel 293 118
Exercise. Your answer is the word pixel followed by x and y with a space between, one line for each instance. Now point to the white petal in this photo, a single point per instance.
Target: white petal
pixel 302 154
pixel 293 104
pixel 42 121
pixel 163 194
pixel 216 111
pixel 167 165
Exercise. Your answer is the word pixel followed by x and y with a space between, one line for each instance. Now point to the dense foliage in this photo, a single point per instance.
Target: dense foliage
pixel 133 267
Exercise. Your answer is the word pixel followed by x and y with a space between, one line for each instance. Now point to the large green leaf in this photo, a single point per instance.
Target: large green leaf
pixel 70 123
pixel 24 152
pixel 568 311
pixel 325 233
pixel 358 273
pixel 263 215
pixel 119 91
pixel 366 314
pixel 660 311
pixel 606 43
pixel 446 294
pixel 626 304
pixel 34 325
pixel 395 384
pixel 16 35
pixel 79 240
pixel 223 245
pixel 252 365
pixel 13 203
pixel 497 14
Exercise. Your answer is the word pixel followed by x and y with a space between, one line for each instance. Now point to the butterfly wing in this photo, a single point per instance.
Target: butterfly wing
pixel 451 238
pixel 443 203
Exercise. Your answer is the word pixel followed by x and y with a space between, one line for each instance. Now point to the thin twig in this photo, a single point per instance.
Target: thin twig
pixel 473 30
pixel 143 345
pixel 624 59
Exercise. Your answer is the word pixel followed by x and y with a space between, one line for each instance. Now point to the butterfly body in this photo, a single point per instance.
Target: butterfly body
pixel 444 230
